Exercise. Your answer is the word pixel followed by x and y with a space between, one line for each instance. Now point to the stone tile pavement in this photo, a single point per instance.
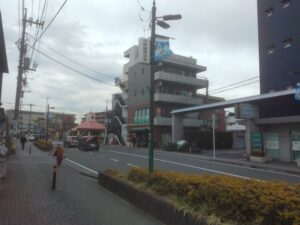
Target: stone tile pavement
pixel 26 197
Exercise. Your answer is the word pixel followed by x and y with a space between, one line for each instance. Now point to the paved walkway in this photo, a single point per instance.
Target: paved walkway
pixel 26 197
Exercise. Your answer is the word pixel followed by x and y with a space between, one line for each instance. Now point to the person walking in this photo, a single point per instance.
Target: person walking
pixel 133 141
pixel 59 154
pixel 23 141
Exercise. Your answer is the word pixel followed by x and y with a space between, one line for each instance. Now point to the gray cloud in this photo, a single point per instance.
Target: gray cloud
pixel 221 35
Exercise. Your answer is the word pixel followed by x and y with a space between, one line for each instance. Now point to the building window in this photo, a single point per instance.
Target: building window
pixel 273 89
pixel 285 3
pixel 269 12
pixel 288 43
pixel 289 86
pixel 270 49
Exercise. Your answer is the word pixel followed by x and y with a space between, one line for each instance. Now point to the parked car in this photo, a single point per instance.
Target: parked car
pixel 71 141
pixel 89 143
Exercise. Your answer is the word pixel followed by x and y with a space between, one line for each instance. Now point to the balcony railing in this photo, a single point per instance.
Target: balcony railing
pixel 166 121
pixel 182 99
pixel 181 79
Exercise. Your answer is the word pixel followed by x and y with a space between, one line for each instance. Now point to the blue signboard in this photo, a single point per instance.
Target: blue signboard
pixel 162 49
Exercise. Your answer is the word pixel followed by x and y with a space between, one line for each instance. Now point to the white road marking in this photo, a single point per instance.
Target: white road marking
pixel 186 165
pixel 77 164
pixel 115 160
pixel 131 165
pixel 227 164
pixel 205 169
pixel 76 149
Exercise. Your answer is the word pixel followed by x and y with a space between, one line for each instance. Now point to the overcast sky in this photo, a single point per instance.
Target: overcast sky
pixel 221 35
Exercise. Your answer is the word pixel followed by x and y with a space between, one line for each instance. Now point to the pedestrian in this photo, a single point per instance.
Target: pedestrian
pixel 23 141
pixel 133 141
pixel 59 154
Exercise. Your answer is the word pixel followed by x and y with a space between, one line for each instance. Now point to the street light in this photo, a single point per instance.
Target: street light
pixel 160 22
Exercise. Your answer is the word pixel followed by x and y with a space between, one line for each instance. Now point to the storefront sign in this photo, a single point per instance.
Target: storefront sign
pixel 256 142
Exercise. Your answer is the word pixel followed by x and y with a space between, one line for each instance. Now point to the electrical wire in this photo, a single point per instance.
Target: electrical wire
pixel 38 27
pixel 233 84
pixel 74 70
pixel 229 89
pixel 54 17
pixel 76 62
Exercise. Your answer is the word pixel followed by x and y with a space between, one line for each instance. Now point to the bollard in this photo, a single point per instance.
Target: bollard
pixel 54 178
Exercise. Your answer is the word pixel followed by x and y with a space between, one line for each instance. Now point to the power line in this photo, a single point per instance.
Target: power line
pixel 256 81
pixel 54 17
pixel 72 60
pixel 75 70
pixel 233 84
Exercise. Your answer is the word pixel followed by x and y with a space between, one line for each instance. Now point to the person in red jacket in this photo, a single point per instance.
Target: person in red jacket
pixel 59 154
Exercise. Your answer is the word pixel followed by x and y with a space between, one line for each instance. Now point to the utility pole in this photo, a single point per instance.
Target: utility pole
pixel 106 123
pixel 151 103
pixel 30 118
pixel 20 69
pixel 47 121
pixel 24 62
pixel 164 25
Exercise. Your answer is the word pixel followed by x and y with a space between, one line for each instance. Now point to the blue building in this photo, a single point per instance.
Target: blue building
pixel 279 52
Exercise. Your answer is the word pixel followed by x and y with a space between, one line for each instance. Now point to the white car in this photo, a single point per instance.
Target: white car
pixel 31 137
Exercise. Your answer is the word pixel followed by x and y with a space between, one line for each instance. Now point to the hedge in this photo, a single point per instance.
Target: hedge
pixel 43 145
pixel 241 200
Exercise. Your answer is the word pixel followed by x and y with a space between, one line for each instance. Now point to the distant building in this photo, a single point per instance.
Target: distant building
pixel 279 52
pixel 176 85
pixel 35 122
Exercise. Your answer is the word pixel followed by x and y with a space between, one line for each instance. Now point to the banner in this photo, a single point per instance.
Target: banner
pixel 162 49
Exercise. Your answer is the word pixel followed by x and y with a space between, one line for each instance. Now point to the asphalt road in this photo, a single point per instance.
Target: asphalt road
pixel 125 158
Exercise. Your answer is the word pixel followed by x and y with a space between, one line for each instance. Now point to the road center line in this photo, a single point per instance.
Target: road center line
pixel 77 164
pixel 115 160
pixel 132 165
pixel 227 164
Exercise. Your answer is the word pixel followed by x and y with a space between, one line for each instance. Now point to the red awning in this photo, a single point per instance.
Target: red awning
pixel 90 125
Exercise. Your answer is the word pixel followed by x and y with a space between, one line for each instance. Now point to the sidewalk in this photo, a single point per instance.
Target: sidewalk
pixel 26 196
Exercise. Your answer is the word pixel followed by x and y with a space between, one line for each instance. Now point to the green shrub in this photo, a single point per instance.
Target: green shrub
pixel 257 153
pixel 240 200
pixel 43 145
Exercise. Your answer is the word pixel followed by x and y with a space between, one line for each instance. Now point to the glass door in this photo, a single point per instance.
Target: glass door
pixel 295 138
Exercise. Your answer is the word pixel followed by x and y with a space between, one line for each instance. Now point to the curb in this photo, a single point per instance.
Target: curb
pixel 156 206
pixel 90 175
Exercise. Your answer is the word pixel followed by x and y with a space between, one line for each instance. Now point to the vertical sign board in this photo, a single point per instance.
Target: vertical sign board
pixel 256 141
pixel 296 144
